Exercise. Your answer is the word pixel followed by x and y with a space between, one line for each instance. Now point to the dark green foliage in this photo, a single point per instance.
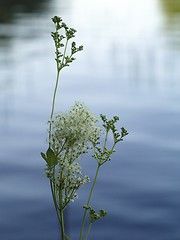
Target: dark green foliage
pixel 50 158
pixel 93 215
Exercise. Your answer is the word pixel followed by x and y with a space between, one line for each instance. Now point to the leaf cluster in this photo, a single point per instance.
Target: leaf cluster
pixel 103 154
pixel 93 215
pixel 110 125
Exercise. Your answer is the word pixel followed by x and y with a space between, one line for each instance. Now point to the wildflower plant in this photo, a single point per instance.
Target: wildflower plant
pixel 72 135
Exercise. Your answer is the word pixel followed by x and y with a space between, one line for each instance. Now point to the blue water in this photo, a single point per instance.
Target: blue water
pixel 129 67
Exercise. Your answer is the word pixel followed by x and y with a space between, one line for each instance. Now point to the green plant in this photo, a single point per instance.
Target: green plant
pixel 71 135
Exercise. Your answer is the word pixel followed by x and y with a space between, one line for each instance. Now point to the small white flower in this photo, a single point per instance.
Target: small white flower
pixel 75 129
pixel 73 134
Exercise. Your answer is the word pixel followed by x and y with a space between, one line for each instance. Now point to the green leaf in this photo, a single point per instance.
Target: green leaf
pixel 43 155
pixel 46 159
pixel 51 158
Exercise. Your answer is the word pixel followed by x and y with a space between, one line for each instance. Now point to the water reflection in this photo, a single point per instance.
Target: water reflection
pixel 171 16
pixel 20 26
pixel 171 6
pixel 25 28
pixel 128 68
pixel 9 9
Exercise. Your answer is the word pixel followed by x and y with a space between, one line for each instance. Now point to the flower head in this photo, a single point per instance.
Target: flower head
pixel 74 130
pixel 73 134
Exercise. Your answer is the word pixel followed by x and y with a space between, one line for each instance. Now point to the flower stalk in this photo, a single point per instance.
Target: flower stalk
pixel 71 135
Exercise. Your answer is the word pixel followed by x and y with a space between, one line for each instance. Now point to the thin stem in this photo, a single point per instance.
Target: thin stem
pixel 60 213
pixel 89 199
pixel 67 237
pixel 88 231
pixel 93 185
pixel 56 86
pixel 62 225
pixel 65 48
pixel 105 142
pixel 53 105
pixel 55 202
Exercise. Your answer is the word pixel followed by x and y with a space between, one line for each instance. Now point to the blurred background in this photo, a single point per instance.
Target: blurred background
pixel 129 67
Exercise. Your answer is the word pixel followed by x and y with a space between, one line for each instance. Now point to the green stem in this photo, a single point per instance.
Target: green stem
pixel 56 86
pixel 89 199
pixel 53 105
pixel 88 231
pixel 65 48
pixel 67 237
pixel 55 202
pixel 62 225
pixel 105 142
pixel 60 213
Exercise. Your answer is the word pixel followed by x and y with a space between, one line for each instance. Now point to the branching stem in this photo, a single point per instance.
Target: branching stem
pixel 89 199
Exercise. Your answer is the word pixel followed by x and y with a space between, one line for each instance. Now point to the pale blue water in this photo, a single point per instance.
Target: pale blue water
pixel 129 67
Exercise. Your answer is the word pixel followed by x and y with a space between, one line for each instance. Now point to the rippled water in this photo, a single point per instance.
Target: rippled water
pixel 129 67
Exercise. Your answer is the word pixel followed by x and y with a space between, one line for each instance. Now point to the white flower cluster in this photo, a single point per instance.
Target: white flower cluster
pixel 74 130
pixel 73 134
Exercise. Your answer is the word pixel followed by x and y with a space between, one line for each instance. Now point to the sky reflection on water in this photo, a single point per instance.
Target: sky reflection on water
pixel 129 67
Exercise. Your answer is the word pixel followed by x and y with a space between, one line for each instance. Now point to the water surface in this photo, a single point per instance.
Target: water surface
pixel 129 67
